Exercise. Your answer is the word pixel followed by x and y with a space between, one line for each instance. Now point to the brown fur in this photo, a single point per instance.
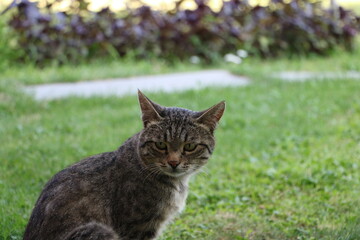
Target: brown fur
pixel 132 192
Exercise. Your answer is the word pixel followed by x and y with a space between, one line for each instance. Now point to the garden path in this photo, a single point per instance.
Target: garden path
pixel 128 86
pixel 167 83
pixel 295 76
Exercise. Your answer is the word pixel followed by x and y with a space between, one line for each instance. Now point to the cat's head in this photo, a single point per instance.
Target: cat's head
pixel 176 141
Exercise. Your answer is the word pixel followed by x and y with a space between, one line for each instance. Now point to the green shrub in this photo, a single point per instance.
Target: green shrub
pixel 9 52
pixel 297 27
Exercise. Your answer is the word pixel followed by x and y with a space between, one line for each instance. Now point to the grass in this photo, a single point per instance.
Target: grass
pixel 338 61
pixel 286 165
pixel 28 74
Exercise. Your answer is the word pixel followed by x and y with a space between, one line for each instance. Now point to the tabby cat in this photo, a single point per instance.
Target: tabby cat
pixel 134 191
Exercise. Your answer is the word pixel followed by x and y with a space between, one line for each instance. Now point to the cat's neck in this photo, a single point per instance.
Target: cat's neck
pixel 181 182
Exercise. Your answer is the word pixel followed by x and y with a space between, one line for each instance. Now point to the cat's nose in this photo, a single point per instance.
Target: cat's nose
pixel 173 164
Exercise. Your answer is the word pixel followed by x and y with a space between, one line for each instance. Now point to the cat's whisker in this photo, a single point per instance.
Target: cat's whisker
pixel 204 170
pixel 152 170
pixel 200 171
pixel 158 172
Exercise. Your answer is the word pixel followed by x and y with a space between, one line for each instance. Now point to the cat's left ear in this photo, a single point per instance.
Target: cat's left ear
pixel 211 117
pixel 150 110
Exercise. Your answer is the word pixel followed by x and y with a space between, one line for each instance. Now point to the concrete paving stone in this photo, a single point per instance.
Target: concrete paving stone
pixel 129 86
pixel 298 76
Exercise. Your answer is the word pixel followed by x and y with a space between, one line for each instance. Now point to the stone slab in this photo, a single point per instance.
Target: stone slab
pixel 298 76
pixel 129 86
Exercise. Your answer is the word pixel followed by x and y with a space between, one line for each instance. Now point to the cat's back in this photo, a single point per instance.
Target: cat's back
pixel 76 194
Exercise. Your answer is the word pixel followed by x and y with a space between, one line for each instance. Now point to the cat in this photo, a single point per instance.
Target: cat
pixel 134 191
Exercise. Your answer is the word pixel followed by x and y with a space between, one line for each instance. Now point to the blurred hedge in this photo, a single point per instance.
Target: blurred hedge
pixel 297 27
pixel 9 51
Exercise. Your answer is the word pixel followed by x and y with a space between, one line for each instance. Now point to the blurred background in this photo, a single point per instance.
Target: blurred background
pixel 59 31
pixel 95 5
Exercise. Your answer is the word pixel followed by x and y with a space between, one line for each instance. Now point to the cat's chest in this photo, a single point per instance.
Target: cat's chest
pixel 171 206
pixel 174 203
pixel 177 200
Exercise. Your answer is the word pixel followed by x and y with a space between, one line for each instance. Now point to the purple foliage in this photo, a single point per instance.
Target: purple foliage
pixel 297 27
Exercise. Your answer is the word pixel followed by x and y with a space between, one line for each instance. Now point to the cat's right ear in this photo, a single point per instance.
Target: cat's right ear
pixel 211 117
pixel 150 110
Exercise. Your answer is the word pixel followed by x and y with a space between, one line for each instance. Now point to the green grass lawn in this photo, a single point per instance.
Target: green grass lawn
pixel 286 164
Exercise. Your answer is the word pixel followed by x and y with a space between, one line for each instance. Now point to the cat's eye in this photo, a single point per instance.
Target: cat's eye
pixel 189 147
pixel 161 145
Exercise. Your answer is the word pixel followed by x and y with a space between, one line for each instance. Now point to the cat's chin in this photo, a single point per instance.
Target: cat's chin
pixel 176 174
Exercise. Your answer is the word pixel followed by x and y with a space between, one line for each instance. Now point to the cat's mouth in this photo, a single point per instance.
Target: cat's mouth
pixel 177 172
